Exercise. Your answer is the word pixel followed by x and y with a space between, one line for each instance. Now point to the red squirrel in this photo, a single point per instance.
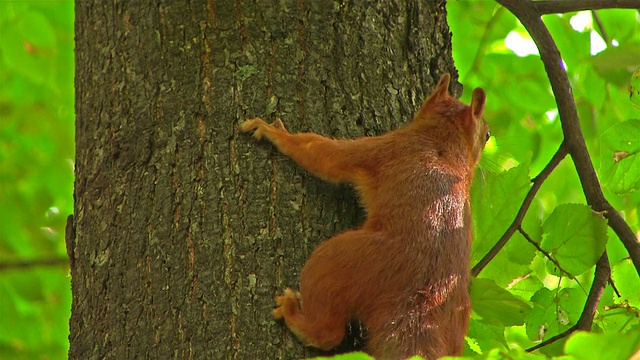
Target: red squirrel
pixel 405 273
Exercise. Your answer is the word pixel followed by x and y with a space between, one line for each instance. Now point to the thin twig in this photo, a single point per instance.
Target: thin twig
pixel 517 221
pixel 600 26
pixel 556 7
pixel 555 338
pixel 614 287
pixel 544 252
pixel 31 263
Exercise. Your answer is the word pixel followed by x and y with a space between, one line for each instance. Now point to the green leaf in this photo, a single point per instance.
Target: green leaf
pixel 620 24
pixel 615 64
pixel 620 163
pixel 621 317
pixel 532 81
pixel 573 45
pixel 575 237
pixel 625 277
pixel 485 337
pixel 541 316
pixel 525 287
pixel 587 346
pixel 485 23
pixel 496 305
pixel 570 305
pixel 496 199
pixel 553 312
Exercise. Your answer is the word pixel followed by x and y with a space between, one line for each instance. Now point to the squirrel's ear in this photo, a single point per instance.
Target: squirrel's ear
pixel 478 100
pixel 442 89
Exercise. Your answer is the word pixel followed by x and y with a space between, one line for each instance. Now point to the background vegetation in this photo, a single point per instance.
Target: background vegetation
pixel 520 298
pixel 36 176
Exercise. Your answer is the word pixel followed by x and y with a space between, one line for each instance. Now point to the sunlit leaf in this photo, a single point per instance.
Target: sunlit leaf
pixel 587 346
pixel 575 237
pixel 496 305
pixel 525 287
pixel 553 312
pixel 625 277
pixel 495 201
pixel 620 160
pixel 485 336
pixel 573 45
pixel 486 23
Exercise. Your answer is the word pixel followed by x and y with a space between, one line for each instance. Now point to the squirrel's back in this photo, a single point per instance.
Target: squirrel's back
pixel 421 201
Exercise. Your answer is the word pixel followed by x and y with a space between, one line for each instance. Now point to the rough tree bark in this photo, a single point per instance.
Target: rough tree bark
pixel 184 229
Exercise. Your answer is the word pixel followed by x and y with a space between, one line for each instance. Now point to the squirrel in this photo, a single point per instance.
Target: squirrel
pixel 405 273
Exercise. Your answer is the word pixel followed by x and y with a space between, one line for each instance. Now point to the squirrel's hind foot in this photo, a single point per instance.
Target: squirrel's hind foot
pixel 287 304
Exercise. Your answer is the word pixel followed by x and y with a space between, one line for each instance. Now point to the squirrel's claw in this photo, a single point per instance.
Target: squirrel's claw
pixel 261 128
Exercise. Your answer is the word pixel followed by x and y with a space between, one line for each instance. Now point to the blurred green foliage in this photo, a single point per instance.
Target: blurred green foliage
pixel 519 299
pixel 36 175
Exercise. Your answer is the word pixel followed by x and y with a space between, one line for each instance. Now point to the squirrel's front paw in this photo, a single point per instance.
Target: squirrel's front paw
pixel 288 303
pixel 261 128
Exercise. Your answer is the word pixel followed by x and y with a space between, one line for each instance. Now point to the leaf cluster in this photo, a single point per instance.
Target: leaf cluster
pixel 540 285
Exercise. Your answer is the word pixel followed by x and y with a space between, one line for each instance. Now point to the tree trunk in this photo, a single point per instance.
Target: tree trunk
pixel 185 230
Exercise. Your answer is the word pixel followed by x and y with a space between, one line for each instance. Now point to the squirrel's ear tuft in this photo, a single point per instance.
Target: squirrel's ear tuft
pixel 440 92
pixel 442 89
pixel 478 100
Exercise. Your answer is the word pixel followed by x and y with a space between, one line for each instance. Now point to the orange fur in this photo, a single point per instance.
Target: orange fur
pixel 405 272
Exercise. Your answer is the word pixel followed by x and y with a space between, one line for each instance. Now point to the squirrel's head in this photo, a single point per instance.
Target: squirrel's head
pixel 443 112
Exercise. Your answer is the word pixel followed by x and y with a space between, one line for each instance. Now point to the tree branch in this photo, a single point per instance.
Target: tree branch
pixel 554 6
pixel 22 264
pixel 600 280
pixel 517 221
pixel 526 12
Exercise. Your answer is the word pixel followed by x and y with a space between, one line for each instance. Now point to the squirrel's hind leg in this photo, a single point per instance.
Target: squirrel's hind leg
pixel 333 282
